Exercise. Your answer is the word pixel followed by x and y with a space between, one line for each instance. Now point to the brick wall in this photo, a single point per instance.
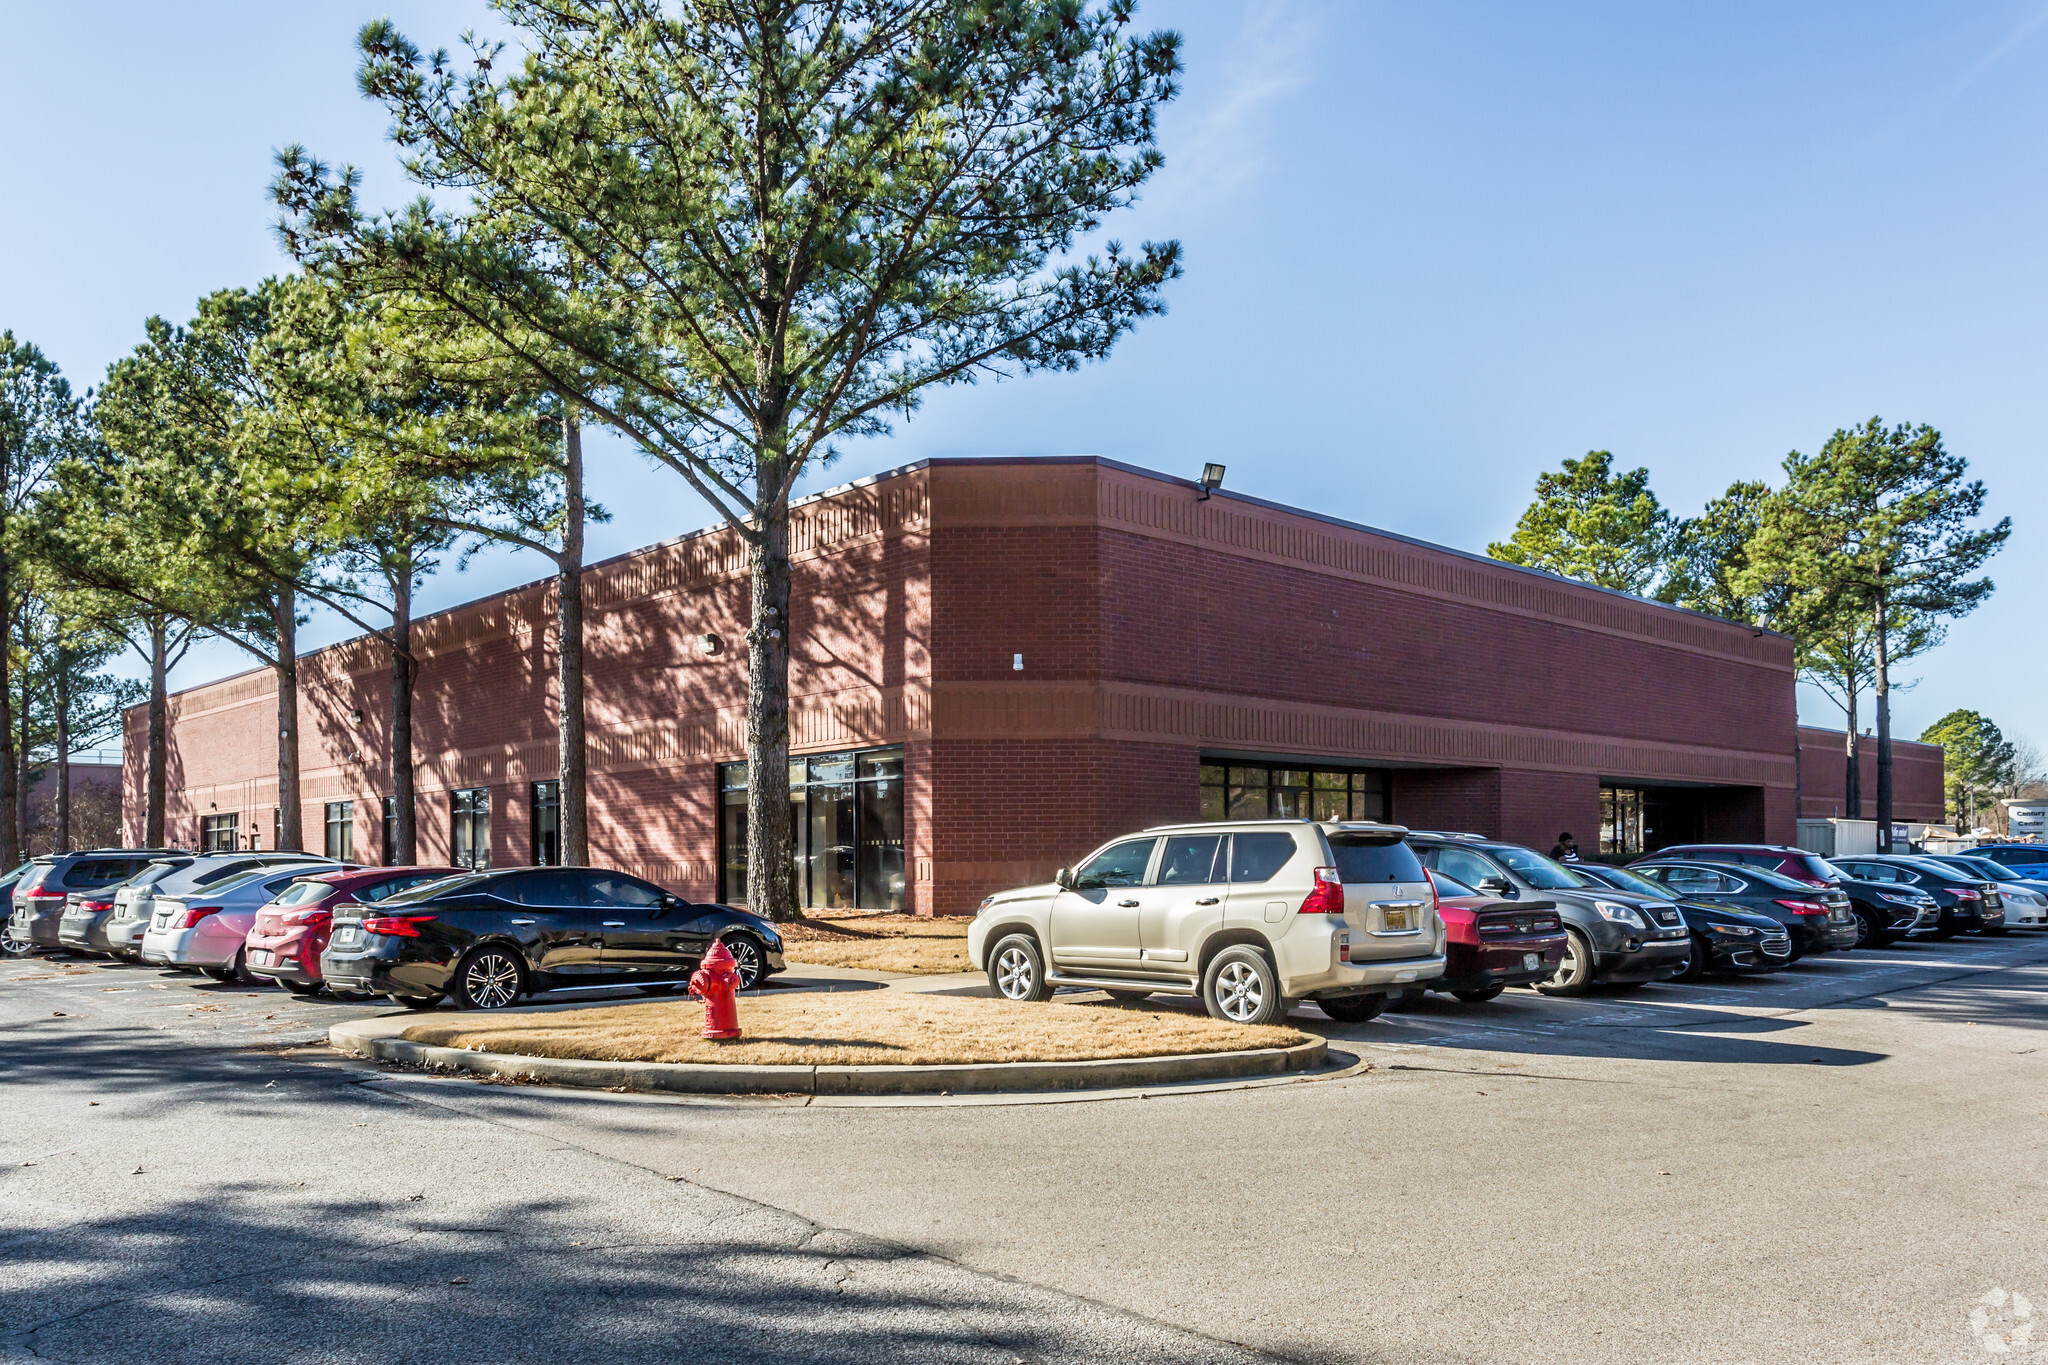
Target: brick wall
pixel 1917 790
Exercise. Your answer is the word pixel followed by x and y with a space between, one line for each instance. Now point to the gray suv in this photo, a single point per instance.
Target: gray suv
pixel 1621 937
pixel 45 887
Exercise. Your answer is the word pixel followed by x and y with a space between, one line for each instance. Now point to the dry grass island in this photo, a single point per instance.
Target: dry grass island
pixel 912 944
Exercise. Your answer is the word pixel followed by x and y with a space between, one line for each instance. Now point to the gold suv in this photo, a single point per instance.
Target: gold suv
pixel 1251 915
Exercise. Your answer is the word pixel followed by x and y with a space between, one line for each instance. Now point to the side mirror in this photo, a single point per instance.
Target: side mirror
pixel 1496 886
pixel 1064 879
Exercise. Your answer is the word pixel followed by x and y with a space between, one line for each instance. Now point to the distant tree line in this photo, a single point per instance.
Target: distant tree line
pixel 1863 555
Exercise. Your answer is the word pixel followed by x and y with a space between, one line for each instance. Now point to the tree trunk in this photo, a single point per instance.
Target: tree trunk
pixel 21 771
pixel 571 771
pixel 771 874
pixel 404 674
pixel 1882 686
pixel 290 833
pixel 158 756
pixel 1852 788
pixel 63 701
pixel 12 849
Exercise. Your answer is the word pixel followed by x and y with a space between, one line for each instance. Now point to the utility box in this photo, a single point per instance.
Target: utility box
pixel 1838 838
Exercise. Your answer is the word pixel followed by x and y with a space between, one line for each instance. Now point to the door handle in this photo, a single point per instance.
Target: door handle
pixel 614 924
pixel 1128 905
pixel 522 921
pixel 1208 900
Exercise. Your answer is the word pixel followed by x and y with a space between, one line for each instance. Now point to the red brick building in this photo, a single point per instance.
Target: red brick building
pixel 999 663
pixel 1917 792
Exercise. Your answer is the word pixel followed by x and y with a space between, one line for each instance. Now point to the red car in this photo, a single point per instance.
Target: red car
pixel 290 932
pixel 1491 944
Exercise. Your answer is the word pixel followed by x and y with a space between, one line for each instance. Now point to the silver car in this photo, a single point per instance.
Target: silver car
pixel 135 899
pixel 2026 900
pixel 1248 915
pixel 207 928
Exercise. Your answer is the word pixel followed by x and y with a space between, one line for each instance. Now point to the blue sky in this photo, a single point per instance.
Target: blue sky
pixel 1431 250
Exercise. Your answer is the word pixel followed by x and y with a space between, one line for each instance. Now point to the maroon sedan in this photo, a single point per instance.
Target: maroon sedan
pixel 290 932
pixel 1491 944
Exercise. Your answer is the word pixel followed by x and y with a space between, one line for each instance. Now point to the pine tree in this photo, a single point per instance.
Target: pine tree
pixel 1599 527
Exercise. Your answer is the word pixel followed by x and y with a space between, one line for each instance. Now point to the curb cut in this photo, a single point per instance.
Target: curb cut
pixel 379 1038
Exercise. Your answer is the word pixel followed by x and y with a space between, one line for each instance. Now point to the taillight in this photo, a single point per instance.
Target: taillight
pixel 40 895
pixel 1328 896
pixel 313 916
pixel 95 906
pixel 398 926
pixel 1804 907
pixel 195 913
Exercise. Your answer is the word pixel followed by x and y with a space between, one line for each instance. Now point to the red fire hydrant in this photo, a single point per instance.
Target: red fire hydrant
pixel 717 982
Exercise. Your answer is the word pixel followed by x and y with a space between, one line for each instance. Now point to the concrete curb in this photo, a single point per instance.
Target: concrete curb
pixel 379 1038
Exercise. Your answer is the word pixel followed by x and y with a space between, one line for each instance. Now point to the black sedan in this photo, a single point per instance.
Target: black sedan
pixel 1967 901
pixel 1725 938
pixel 487 939
pixel 1819 919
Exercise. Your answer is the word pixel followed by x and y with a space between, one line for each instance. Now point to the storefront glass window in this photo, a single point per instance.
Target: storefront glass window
pixel 1260 792
pixel 341 831
pixel 846 816
pixel 217 833
pixel 1621 820
pixel 547 824
pixel 469 840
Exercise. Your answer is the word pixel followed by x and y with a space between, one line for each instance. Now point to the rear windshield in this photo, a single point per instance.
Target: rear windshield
pixel 1777 881
pixel 1809 865
pixel 303 893
pixel 154 873
pixel 1537 870
pixel 461 881
pixel 1374 860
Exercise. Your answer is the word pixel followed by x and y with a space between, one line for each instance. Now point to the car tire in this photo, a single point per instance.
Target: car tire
pixel 1241 986
pixel 492 977
pixel 1696 961
pixel 236 972
pixel 1946 927
pixel 1016 968
pixel 305 990
pixel 1868 935
pixel 750 957
pixel 1353 1009
pixel 1574 975
pixel 417 1002
pixel 1482 995
pixel 16 947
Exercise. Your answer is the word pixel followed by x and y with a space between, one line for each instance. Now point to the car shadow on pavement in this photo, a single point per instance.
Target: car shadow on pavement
pixel 113 1062
pixel 251 1272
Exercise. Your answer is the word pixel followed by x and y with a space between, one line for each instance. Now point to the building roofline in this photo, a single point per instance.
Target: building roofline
pixel 1103 461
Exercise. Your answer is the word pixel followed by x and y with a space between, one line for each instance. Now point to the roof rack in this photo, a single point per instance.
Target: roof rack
pixel 1450 834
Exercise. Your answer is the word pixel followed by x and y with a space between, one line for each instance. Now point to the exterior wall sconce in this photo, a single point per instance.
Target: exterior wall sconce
pixel 708 644
pixel 1211 480
pixel 356 715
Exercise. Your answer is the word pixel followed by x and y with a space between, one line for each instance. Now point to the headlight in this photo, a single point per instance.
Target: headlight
pixel 1620 914
pixel 1739 930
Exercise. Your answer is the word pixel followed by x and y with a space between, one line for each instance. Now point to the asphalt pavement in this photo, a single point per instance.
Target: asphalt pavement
pixel 1841 1162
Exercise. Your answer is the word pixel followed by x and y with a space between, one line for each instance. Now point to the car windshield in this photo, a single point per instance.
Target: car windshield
pixel 1813 868
pixel 1624 880
pixel 300 893
pixel 459 882
pixel 239 880
pixel 154 873
pixel 1776 881
pixel 1537 870
pixel 2008 873
pixel 1948 870
pixel 1986 867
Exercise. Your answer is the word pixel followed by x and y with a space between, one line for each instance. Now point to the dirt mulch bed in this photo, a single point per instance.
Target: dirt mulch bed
pixel 914 944
pixel 856 1028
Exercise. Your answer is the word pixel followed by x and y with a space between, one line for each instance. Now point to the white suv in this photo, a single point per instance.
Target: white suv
pixel 1251 915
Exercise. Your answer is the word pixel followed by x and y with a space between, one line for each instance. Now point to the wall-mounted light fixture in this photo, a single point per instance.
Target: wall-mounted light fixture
pixel 1211 480
pixel 356 715
pixel 709 644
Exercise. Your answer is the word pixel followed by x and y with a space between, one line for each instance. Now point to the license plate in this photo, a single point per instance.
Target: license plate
pixel 1532 962
pixel 347 935
pixel 1396 921
pixel 260 956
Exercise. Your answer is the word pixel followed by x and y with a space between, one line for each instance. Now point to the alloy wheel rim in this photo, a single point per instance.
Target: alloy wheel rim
pixel 492 981
pixel 1568 970
pixel 1014 974
pixel 747 961
pixel 1239 991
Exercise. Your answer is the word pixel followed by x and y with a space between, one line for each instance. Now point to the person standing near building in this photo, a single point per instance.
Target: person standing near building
pixel 1566 849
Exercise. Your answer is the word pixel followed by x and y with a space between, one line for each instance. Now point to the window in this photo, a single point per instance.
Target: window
pixel 341 831
pixel 545 890
pixel 390 834
pixel 217 833
pixel 1190 859
pixel 1466 866
pixel 1256 857
pixel 1621 820
pixel 1231 791
pixel 1121 864
pixel 613 889
pixel 846 821
pixel 276 829
pixel 469 836
pixel 547 824
pixel 373 894
pixel 1374 860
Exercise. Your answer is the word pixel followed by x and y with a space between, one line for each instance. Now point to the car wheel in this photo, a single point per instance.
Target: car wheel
pixel 1867 933
pixel 1480 996
pixel 1127 997
pixel 16 947
pixel 490 978
pixel 747 957
pixel 1353 1009
pixel 1696 962
pixel 235 972
pixel 1017 969
pixel 1946 927
pixel 416 1002
pixel 1574 975
pixel 1242 987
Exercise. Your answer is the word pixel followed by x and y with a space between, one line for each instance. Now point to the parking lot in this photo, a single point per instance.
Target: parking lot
pixel 1836 1163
